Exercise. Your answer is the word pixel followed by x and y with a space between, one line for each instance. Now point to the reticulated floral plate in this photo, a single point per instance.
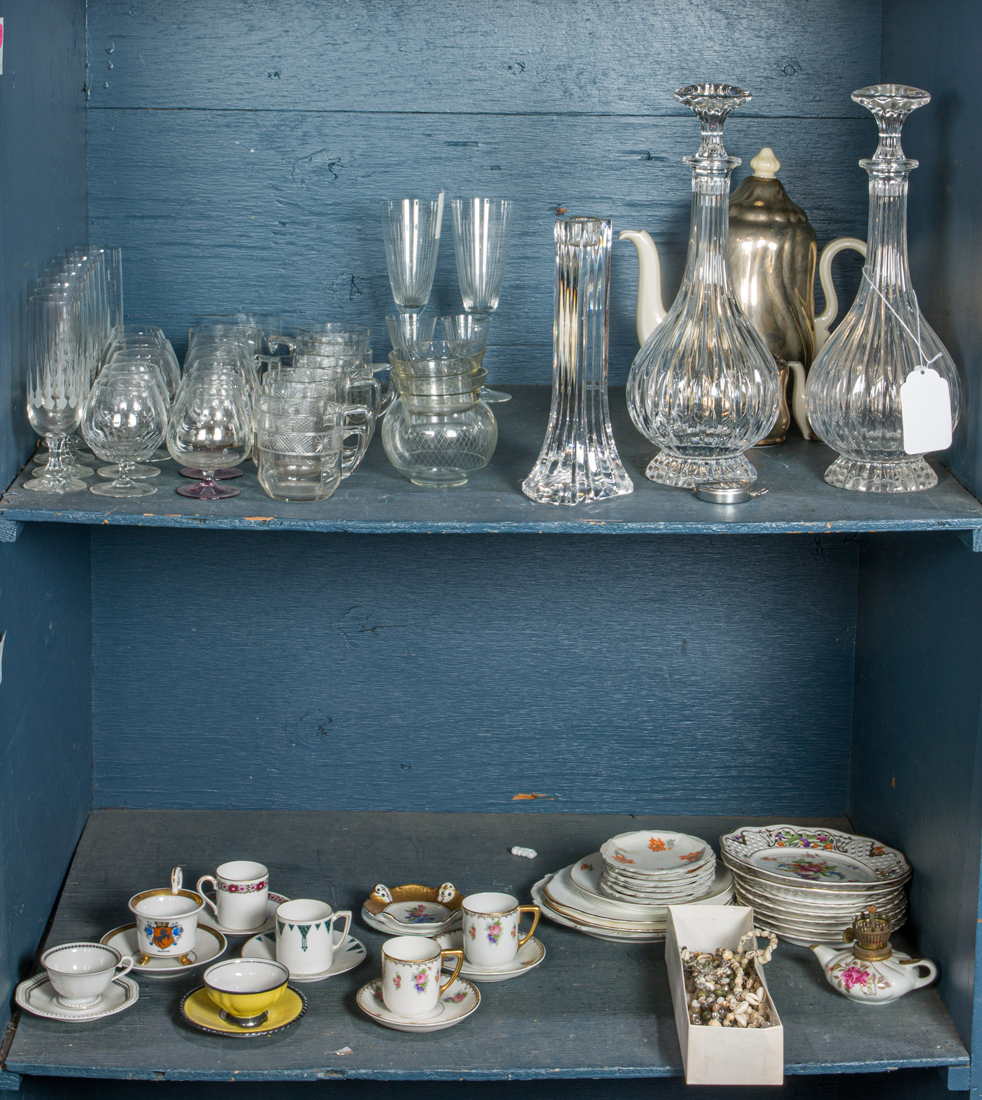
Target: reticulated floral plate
pixel 826 857
pixel 655 850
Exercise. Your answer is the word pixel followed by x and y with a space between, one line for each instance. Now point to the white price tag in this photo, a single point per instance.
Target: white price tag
pixel 925 405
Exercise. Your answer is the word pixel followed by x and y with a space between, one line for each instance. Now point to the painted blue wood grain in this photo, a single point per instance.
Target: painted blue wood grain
pixel 640 675
pixel 916 769
pixel 377 499
pixel 508 57
pixel 272 210
pixel 42 182
pixel 938 54
pixel 592 1010
pixel 45 733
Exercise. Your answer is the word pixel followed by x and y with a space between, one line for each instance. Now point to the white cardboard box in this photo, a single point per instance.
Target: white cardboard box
pixel 719 1055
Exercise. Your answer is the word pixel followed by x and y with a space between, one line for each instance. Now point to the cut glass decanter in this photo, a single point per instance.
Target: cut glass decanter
pixel 704 387
pixel 853 395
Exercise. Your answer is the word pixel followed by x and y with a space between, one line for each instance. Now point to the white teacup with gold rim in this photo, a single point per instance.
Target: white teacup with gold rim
pixel 411 971
pixel 167 921
pixel 490 925
pixel 241 891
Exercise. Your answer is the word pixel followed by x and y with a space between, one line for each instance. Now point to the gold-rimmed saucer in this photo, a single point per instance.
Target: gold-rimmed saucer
pixel 201 1012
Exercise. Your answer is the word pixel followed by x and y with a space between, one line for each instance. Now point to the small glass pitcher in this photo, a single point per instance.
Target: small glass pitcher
pixel 438 430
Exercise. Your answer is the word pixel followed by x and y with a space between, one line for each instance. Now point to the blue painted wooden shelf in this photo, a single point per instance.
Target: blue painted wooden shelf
pixel 378 500
pixel 591 1010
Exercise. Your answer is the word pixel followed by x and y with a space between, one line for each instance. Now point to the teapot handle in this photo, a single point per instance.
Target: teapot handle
pixel 823 322
pixel 932 971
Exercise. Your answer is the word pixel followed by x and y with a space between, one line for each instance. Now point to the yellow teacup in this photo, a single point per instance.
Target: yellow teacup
pixel 245 989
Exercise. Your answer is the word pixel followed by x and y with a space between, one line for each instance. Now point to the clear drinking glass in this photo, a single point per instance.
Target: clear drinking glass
pixel 408 330
pixel 299 446
pixel 57 384
pixel 579 460
pixel 704 386
pixel 411 230
pixel 481 234
pixel 124 421
pixel 853 393
pixel 467 333
pixel 149 363
pixel 211 426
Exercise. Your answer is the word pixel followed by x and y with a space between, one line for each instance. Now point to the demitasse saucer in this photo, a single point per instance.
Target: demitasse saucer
pixel 459 1002
pixel 37 995
pixel 530 954
pixel 347 956
pixel 267 926
pixel 392 928
pixel 209 943
pixel 201 1012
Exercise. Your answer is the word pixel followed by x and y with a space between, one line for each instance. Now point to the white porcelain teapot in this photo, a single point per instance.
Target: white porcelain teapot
pixel 870 971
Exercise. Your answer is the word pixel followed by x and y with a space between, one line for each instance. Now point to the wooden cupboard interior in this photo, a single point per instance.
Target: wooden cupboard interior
pixel 189 689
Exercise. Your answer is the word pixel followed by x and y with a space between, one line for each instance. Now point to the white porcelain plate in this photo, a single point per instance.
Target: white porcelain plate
pixel 584 881
pixel 347 956
pixel 208 945
pixel 37 995
pixel 530 954
pixel 456 1004
pixel 390 928
pixel 654 850
pixel 267 926
pixel 600 934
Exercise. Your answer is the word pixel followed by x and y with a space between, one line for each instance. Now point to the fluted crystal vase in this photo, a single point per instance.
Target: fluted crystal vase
pixel 579 461
pixel 853 394
pixel 704 387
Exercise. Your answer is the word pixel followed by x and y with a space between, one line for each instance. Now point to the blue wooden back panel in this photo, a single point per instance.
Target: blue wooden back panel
pixel 916 766
pixel 45 690
pixel 662 675
pixel 237 151
pixel 938 50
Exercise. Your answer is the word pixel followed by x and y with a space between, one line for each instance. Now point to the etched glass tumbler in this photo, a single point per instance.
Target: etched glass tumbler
pixel 853 396
pixel 411 230
pixel 298 447
pixel 57 384
pixel 579 460
pixel 704 387
pixel 124 421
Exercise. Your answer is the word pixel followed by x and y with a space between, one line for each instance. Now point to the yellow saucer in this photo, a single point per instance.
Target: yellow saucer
pixel 201 1012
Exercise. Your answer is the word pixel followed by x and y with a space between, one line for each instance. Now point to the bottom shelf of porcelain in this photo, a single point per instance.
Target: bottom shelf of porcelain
pixel 593 1009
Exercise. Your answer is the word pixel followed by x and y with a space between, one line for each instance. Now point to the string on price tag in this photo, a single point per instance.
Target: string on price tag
pixel 925 397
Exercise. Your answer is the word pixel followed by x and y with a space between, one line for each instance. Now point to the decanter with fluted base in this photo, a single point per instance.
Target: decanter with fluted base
pixel 853 392
pixel 704 387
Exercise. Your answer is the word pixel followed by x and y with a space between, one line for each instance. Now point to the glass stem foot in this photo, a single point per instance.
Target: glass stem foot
pixel 908 475
pixel 687 473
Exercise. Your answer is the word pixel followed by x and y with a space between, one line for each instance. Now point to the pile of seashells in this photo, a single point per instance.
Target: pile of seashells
pixel 724 988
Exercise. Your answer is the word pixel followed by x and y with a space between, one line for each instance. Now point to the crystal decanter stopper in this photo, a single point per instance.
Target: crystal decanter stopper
pixel 704 387
pixel 579 460
pixel 853 395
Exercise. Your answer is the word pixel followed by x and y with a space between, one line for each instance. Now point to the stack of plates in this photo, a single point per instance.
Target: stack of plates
pixel 807 885
pixel 656 868
pixel 572 897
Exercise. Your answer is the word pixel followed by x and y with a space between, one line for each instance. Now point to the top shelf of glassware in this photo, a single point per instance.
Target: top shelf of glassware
pixel 379 500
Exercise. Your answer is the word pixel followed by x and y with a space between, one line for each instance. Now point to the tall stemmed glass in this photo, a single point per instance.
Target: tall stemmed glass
pixel 57 384
pixel 481 234
pixel 411 229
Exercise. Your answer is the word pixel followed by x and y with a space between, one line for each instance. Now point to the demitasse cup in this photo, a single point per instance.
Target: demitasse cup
pixel 81 972
pixel 166 923
pixel 411 970
pixel 490 925
pixel 305 938
pixel 246 989
pixel 241 891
